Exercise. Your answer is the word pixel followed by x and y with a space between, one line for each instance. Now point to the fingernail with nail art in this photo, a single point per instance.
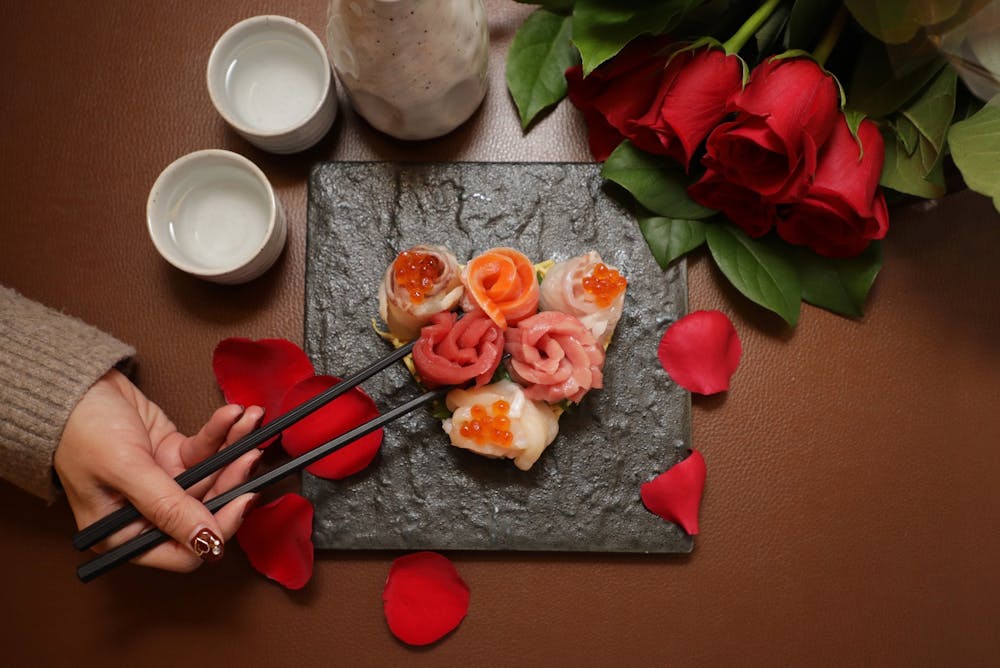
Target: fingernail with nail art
pixel 207 545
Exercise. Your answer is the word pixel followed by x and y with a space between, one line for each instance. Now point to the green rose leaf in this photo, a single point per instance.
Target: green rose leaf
pixel 536 62
pixel 551 5
pixel 913 174
pixel 670 238
pixel 838 285
pixel 880 85
pixel 907 134
pixel 975 147
pixel 913 150
pixel 808 20
pixel 756 269
pixel 897 21
pixel 657 183
pixel 931 113
pixel 601 29
pixel 772 30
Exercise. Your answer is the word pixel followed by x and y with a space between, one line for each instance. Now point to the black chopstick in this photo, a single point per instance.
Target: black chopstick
pixel 107 525
pixel 146 541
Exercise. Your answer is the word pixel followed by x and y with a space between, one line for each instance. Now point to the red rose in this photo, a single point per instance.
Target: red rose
pixel 748 210
pixel 784 116
pixel 690 102
pixel 663 105
pixel 844 209
pixel 620 90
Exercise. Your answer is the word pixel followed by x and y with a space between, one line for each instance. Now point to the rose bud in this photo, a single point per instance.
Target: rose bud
pixel 690 101
pixel 784 116
pixel 844 209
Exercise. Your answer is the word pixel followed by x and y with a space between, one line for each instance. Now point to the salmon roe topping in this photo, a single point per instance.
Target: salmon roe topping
pixel 605 284
pixel 417 273
pixel 489 424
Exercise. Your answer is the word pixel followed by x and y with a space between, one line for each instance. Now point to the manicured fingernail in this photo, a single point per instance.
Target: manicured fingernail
pixel 251 504
pixel 207 545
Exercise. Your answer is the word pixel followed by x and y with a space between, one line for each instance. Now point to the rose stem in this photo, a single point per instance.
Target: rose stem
pixel 735 43
pixel 829 40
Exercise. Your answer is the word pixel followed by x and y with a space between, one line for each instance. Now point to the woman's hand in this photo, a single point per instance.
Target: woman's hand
pixel 118 445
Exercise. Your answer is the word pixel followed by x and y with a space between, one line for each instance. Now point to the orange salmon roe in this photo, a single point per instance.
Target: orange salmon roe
pixel 416 273
pixel 489 424
pixel 605 284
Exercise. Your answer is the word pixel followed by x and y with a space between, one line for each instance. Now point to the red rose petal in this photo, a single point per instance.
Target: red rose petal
pixel 425 598
pixel 277 539
pixel 701 351
pixel 675 495
pixel 338 417
pixel 259 373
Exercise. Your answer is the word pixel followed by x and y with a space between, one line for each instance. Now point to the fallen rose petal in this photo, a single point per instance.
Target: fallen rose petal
pixel 259 373
pixel 701 351
pixel 344 413
pixel 277 539
pixel 675 495
pixel 424 598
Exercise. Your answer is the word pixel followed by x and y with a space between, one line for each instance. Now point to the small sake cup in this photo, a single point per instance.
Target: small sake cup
pixel 269 77
pixel 214 215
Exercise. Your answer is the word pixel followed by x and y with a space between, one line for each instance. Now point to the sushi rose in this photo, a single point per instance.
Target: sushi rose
pixel 502 283
pixel 420 282
pixel 555 357
pixel 499 420
pixel 589 289
pixel 451 351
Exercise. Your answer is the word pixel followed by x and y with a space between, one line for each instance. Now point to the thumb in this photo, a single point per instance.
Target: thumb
pixel 172 510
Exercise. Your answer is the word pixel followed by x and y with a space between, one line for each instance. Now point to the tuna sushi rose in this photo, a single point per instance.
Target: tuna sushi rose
pixel 502 283
pixel 498 420
pixel 451 351
pixel 420 282
pixel 587 288
pixel 555 357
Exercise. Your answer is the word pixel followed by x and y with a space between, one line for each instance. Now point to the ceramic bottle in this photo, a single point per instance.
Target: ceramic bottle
pixel 414 69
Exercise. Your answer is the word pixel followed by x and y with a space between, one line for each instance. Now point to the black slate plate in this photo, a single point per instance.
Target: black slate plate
pixel 422 493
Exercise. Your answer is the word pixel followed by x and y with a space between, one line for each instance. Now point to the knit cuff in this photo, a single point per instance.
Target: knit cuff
pixel 48 360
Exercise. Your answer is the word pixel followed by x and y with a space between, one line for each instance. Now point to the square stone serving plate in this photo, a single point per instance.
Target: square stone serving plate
pixel 422 493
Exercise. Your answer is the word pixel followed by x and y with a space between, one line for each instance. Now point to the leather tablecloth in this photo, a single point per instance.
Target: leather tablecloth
pixel 850 515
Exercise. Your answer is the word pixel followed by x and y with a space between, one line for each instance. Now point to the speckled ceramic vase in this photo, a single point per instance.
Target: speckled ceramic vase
pixel 414 69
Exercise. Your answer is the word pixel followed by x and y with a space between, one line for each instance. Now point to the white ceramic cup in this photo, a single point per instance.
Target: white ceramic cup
pixel 270 79
pixel 214 214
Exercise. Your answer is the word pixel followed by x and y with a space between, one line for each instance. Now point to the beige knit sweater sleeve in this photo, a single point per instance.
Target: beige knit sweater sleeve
pixel 48 360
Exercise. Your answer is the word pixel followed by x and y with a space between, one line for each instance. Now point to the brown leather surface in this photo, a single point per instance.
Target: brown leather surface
pixel 850 513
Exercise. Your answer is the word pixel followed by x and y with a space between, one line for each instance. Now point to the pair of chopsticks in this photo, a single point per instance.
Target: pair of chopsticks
pixel 111 523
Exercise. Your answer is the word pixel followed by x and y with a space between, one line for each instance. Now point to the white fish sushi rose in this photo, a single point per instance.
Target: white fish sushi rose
pixel 498 420
pixel 587 288
pixel 420 282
